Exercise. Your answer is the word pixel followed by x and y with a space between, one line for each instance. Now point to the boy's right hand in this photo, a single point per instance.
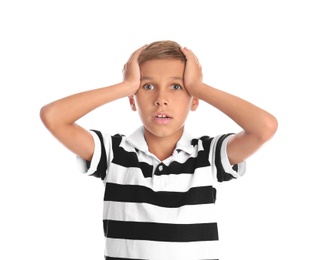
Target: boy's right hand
pixel 131 71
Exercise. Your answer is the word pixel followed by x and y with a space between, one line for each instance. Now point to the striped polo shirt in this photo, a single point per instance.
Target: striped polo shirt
pixel 160 209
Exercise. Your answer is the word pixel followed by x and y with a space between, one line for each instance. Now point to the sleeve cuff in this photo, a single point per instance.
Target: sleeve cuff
pixel 83 165
pixel 236 170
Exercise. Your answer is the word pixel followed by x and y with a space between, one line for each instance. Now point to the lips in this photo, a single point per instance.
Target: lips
pixel 162 118
pixel 162 115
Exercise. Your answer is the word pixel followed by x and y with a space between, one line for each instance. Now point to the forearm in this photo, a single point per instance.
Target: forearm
pixel 60 116
pixel 69 109
pixel 252 119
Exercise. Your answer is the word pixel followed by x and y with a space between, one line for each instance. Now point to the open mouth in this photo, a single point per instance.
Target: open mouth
pixel 162 116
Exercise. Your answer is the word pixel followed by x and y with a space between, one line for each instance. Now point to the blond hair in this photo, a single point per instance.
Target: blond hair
pixel 162 50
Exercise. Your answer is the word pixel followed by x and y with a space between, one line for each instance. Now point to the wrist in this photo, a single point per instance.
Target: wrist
pixel 198 90
pixel 131 87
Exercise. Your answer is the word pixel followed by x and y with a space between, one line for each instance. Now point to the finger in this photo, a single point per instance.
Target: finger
pixel 136 53
pixel 184 50
pixel 189 54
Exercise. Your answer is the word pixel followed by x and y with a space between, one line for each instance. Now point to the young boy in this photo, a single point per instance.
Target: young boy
pixel 160 183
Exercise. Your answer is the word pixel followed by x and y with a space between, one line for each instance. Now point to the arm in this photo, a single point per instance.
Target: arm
pixel 258 125
pixel 60 116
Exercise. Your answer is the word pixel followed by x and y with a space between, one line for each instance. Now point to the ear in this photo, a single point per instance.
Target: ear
pixel 132 103
pixel 195 103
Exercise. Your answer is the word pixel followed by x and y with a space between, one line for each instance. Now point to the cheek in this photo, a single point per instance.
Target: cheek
pixel 144 99
pixel 139 103
pixel 142 106
pixel 185 101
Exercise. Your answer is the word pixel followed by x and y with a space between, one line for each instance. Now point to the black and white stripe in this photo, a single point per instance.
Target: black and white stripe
pixel 160 210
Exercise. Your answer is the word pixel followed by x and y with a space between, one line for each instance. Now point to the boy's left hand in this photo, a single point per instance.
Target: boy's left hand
pixel 193 77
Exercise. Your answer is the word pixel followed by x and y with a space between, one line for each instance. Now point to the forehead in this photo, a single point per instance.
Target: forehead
pixel 162 68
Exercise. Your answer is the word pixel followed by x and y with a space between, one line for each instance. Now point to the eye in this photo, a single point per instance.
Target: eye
pixel 176 86
pixel 148 86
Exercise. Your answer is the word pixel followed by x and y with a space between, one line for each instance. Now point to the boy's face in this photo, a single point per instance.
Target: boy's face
pixel 162 100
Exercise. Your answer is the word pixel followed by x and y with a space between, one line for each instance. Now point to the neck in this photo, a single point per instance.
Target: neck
pixel 162 150
pixel 162 147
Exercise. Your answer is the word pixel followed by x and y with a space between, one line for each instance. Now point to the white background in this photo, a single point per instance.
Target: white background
pixel 263 51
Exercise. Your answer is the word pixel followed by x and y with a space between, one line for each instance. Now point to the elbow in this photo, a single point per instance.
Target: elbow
pixel 269 129
pixel 44 115
pixel 47 116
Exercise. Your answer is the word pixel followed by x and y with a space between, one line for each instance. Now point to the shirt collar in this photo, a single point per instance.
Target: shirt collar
pixel 137 140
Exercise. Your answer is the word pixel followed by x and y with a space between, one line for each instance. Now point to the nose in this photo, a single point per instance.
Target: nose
pixel 161 99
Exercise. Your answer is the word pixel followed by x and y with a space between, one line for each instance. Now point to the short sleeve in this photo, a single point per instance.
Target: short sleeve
pixel 98 165
pixel 225 171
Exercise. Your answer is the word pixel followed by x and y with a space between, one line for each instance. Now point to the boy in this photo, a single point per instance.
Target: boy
pixel 160 183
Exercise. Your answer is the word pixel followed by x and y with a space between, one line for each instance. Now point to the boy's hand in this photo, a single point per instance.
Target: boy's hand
pixel 131 71
pixel 193 76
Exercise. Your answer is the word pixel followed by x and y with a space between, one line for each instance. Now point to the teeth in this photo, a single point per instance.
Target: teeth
pixel 162 116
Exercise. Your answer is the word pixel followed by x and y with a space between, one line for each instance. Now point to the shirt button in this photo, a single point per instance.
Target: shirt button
pixel 160 168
